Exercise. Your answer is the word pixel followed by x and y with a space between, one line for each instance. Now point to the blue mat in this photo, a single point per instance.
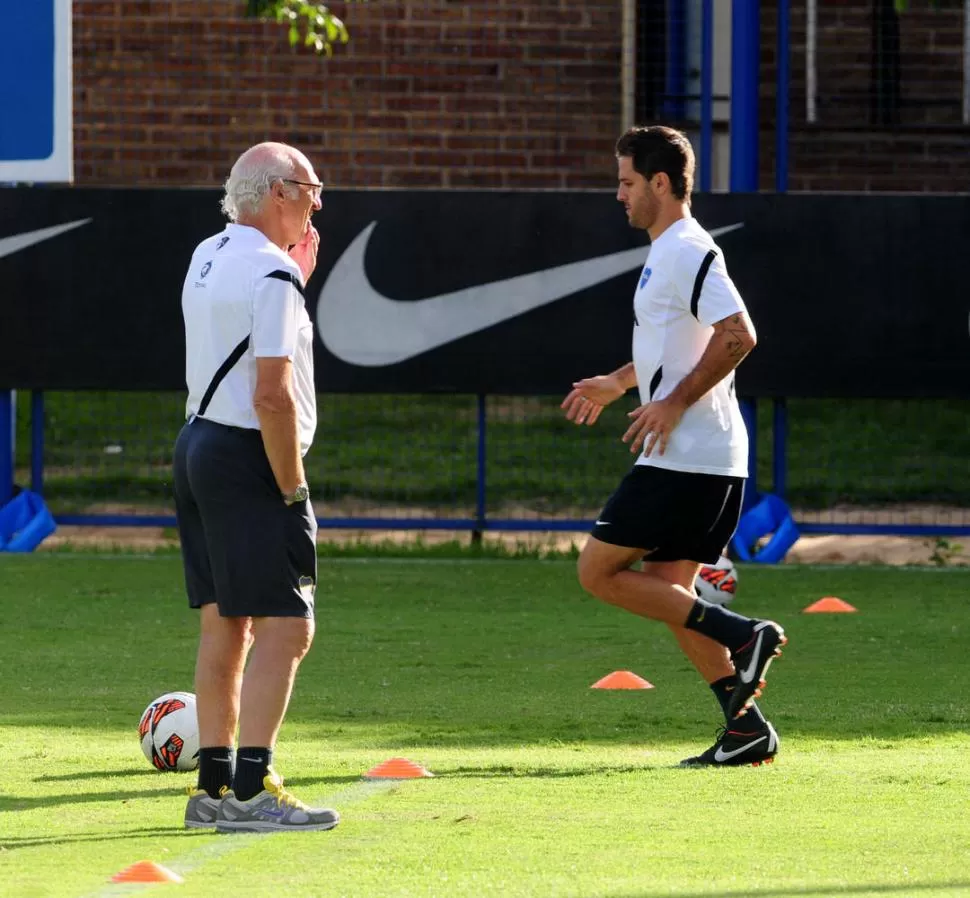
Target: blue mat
pixel 769 515
pixel 25 523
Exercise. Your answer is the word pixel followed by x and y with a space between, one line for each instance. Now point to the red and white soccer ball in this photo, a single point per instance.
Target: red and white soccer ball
pixel 169 732
pixel 717 583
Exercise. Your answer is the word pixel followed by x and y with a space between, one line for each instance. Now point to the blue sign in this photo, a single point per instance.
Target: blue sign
pixel 35 91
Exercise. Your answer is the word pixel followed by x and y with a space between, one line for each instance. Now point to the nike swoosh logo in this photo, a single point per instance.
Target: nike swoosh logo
pixel 11 245
pixel 747 675
pixel 721 755
pixel 602 523
pixel 363 327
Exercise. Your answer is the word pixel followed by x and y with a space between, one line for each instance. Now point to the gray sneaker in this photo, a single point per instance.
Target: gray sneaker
pixel 201 811
pixel 272 810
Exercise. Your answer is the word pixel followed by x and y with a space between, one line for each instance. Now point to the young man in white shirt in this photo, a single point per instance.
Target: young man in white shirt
pixel 247 529
pixel 679 505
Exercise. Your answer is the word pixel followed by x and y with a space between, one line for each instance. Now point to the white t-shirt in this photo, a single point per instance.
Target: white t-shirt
pixel 241 285
pixel 683 290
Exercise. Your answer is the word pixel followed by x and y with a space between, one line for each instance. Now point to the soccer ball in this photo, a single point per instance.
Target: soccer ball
pixel 169 732
pixel 717 583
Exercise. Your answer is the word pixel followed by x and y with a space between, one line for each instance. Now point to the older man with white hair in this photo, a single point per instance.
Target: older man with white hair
pixel 247 529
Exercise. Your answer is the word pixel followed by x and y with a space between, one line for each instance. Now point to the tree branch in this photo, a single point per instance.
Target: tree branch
pixel 311 24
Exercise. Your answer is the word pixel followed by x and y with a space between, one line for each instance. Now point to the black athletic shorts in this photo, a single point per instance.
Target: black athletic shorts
pixel 680 516
pixel 242 546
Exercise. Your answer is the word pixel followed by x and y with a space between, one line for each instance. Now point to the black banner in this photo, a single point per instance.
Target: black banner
pixel 494 292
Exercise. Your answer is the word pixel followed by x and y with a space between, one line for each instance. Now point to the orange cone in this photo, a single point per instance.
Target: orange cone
pixel 829 605
pixel 146 871
pixel 397 769
pixel 622 679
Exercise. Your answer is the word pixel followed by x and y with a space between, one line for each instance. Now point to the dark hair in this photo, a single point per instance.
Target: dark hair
pixel 657 148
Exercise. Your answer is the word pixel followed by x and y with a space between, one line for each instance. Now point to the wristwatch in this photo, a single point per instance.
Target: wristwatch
pixel 300 494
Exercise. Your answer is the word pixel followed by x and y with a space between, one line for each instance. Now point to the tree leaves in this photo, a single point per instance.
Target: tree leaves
pixel 311 24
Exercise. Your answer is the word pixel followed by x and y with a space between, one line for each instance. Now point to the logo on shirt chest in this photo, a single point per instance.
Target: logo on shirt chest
pixel 644 277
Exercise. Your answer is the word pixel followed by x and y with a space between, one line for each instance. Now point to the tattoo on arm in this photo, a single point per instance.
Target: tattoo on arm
pixel 734 333
pixel 731 342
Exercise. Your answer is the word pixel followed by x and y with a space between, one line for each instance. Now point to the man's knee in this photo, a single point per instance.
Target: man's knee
pixel 290 637
pixel 594 578
pixel 224 638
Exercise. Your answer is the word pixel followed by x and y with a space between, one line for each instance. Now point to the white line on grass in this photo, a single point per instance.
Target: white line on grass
pixel 191 861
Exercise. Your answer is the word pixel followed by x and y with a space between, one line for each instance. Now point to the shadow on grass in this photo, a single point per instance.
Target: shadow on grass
pixel 95 775
pixel 318 780
pixel 506 772
pixel 26 803
pixel 13 843
pixel 820 891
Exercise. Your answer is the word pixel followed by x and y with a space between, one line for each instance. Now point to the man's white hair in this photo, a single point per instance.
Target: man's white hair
pixel 252 175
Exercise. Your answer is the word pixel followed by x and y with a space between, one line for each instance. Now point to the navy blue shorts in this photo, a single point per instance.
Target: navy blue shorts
pixel 672 515
pixel 242 546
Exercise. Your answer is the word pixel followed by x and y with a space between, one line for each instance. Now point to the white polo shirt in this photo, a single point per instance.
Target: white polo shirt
pixel 683 290
pixel 241 285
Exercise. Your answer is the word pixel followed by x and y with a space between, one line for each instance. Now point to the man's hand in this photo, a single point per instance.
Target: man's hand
pixel 304 253
pixel 653 422
pixel 590 396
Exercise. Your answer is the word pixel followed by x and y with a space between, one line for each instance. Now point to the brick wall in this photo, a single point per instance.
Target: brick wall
pixel 926 149
pixel 477 93
pixel 429 93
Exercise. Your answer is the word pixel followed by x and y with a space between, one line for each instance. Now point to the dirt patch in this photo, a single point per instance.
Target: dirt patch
pixel 896 550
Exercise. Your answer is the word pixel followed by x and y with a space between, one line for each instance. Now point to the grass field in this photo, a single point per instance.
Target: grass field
pixel 420 452
pixel 480 670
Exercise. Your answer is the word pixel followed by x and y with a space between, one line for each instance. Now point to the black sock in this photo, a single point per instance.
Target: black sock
pixel 252 764
pixel 216 768
pixel 753 720
pixel 719 624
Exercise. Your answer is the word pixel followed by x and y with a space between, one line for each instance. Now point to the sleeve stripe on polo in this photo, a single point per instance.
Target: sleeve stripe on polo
pixel 281 275
pixel 695 297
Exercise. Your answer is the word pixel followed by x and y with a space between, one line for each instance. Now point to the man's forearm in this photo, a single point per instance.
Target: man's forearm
pixel 725 351
pixel 282 443
pixel 627 376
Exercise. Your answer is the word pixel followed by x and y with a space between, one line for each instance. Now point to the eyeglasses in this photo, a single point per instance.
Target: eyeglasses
pixel 314 188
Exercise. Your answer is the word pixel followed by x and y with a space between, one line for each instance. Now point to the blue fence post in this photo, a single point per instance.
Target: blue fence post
pixel 745 52
pixel 707 95
pixel 781 98
pixel 675 88
pixel 480 496
pixel 37 441
pixel 7 431
pixel 749 411
pixel 779 442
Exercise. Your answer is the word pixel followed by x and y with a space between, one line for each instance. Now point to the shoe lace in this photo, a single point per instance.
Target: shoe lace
pixel 195 790
pixel 274 784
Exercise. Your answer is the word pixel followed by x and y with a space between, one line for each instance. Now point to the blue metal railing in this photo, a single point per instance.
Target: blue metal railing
pixel 745 63
pixel 707 96
pixel 7 431
pixel 480 521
